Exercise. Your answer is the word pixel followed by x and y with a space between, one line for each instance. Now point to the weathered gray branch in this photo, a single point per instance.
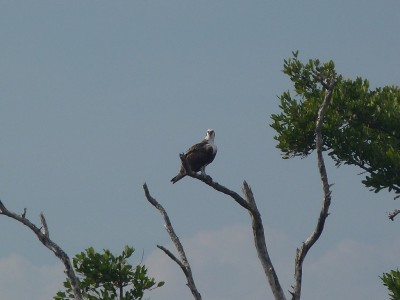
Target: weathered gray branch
pixel 393 214
pixel 173 257
pixel 258 229
pixel 310 241
pixel 215 185
pixel 261 246
pixel 44 225
pixel 182 262
pixel 45 239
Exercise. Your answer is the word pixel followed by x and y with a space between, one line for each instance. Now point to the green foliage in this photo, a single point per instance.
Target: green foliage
pixel 361 126
pixel 108 277
pixel 392 282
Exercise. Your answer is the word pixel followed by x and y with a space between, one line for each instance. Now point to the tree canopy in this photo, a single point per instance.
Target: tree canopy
pixel 108 277
pixel 392 281
pixel 361 126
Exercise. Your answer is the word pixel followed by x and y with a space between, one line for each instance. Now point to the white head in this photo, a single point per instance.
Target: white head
pixel 210 135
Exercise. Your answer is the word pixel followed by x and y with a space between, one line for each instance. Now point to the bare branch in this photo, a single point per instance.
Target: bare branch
pixel 259 239
pixel 173 257
pixel 258 229
pixel 44 225
pixel 44 238
pixel 24 213
pixel 215 185
pixel 393 214
pixel 183 262
pixel 310 241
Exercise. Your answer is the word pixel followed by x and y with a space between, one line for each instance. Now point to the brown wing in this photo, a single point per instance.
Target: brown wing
pixel 199 155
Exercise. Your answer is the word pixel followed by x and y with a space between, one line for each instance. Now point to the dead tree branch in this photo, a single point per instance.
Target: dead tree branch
pixel 182 262
pixel 258 229
pixel 45 239
pixel 393 214
pixel 261 246
pixel 44 225
pixel 215 185
pixel 310 241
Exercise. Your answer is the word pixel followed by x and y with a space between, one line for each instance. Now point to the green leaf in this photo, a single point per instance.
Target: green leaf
pixel 103 275
pixel 361 126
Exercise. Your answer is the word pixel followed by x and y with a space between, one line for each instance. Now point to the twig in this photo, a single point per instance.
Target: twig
pixel 44 225
pixel 182 262
pixel 310 241
pixel 45 239
pixel 24 213
pixel 393 214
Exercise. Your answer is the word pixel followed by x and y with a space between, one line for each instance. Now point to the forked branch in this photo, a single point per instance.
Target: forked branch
pixel 310 241
pixel 44 236
pixel 248 202
pixel 215 185
pixel 393 214
pixel 182 262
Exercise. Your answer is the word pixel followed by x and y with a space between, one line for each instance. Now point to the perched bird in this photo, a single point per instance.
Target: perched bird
pixel 199 156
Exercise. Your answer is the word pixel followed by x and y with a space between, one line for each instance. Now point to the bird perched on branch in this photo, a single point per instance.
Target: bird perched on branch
pixel 199 156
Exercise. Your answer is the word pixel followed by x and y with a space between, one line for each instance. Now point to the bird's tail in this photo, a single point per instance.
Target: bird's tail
pixel 178 177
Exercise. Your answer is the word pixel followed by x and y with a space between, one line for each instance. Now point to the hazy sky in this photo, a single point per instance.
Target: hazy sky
pixel 98 97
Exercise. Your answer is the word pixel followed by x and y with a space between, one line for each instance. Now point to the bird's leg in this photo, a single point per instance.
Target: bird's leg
pixel 203 171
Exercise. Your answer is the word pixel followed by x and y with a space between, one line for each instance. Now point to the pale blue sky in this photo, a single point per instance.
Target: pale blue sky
pixel 98 97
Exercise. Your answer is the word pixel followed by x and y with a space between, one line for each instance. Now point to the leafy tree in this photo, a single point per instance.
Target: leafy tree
pixel 352 123
pixel 392 282
pixel 108 277
pixel 361 126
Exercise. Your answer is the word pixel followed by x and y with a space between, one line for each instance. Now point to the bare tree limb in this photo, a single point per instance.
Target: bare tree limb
pixel 310 241
pixel 45 239
pixel 174 258
pixel 393 214
pixel 259 240
pixel 182 262
pixel 215 185
pixel 258 229
pixel 44 225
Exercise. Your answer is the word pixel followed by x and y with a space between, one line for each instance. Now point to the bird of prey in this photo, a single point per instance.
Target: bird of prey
pixel 199 156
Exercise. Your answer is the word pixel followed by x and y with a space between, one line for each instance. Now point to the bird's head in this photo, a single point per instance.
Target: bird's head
pixel 210 135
